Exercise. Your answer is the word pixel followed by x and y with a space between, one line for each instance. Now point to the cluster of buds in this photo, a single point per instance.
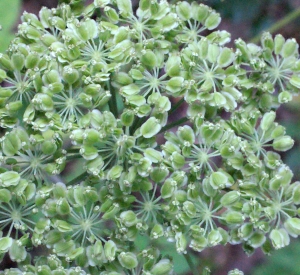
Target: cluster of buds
pixel 97 87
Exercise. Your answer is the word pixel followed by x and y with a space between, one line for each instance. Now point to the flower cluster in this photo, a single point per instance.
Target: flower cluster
pixel 98 84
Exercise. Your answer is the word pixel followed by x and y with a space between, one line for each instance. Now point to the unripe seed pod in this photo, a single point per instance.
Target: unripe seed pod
pixel 230 198
pixel 70 75
pixel 257 239
pixel 49 147
pixel 157 231
pixel 2 75
pixel 5 244
pixel 289 48
pixel 283 143
pixel 163 267
pixel 149 59
pixel 128 218
pixel 184 10
pixel 110 250
pixel 31 60
pixel 292 225
pixel 278 43
pixel 5 195
pixel 18 61
pixel 234 217
pixel 6 62
pixel 267 120
pixel 128 260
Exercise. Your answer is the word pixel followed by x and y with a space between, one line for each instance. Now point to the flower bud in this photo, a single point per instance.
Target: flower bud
pixel 177 160
pixel 111 14
pixel 158 174
pixel 257 239
pixel 168 189
pixel 292 226
pixel 289 48
pixel 18 61
pixel 110 250
pixel 230 198
pixel 17 253
pixel 234 217
pixel 5 244
pixel 62 248
pixel 115 172
pixel 14 106
pixel 125 7
pixel 181 242
pixel 226 57
pixel 218 180
pixel 128 218
pixel 128 260
pixel 63 207
pixel 70 75
pixel 9 178
pixel 295 81
pixel 283 143
pixel 184 11
pixel 235 272
pixel 212 21
pixel 296 192
pixel 6 62
pixel 213 53
pixel 246 230
pixel 112 211
pixel 163 267
pixel 150 128
pixel 278 43
pixel 285 97
pixel 189 209
pixel 58 23
pixel 214 237
pixel 89 152
pixel 279 238
pixel 267 120
pixel 63 226
pixel 208 189
pixel 157 231
pixel 267 41
pixel 175 84
pixel 198 244
pixel 149 59
pixel 5 195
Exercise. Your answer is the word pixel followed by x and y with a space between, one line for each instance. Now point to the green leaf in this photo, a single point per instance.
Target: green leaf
pixel 9 11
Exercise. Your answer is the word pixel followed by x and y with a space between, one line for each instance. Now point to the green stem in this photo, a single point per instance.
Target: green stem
pixel 113 107
pixel 173 124
pixel 73 156
pixel 136 124
pixel 189 260
pixel 176 106
pixel 78 178
pixel 278 25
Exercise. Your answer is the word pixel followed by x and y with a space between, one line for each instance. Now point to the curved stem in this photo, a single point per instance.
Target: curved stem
pixel 189 260
pixel 173 124
pixel 78 178
pixel 113 101
pixel 176 106
pixel 279 24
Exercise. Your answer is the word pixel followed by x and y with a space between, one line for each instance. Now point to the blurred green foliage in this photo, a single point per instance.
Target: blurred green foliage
pixel 282 262
pixel 9 13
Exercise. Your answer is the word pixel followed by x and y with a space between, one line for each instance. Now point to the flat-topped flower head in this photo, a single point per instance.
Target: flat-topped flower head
pixel 127 127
